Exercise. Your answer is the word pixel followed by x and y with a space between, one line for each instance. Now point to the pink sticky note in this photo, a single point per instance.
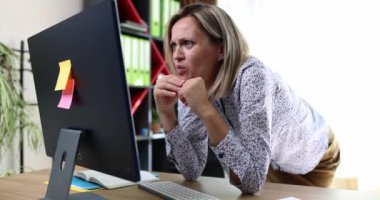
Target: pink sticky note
pixel 67 95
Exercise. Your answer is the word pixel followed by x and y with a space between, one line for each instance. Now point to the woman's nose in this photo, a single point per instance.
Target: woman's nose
pixel 178 53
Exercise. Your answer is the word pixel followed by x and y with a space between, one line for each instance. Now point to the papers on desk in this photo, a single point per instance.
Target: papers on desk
pixel 111 182
pixel 90 180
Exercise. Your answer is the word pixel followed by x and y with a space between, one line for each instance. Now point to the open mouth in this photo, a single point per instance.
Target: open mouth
pixel 181 70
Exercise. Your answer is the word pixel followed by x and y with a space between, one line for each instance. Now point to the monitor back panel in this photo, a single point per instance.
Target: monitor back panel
pixel 101 102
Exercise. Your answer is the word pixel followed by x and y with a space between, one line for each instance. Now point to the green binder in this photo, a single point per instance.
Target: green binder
pixel 165 15
pixel 155 22
pixel 127 57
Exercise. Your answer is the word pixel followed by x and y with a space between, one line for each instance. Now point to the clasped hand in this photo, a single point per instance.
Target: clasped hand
pixel 192 93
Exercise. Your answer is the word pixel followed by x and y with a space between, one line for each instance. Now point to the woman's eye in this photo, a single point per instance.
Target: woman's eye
pixel 173 46
pixel 188 43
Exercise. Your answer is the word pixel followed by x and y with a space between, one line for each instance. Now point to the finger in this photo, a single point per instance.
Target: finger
pixel 174 80
pixel 166 85
pixel 164 93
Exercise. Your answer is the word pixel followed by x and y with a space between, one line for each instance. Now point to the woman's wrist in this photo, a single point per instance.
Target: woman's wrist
pixel 168 120
pixel 216 127
pixel 206 111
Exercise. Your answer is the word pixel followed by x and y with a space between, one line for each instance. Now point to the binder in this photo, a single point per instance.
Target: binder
pixel 144 62
pixel 175 7
pixel 135 60
pixel 127 57
pixel 122 40
pixel 165 16
pixel 140 63
pixel 155 21
pixel 122 44
pixel 147 63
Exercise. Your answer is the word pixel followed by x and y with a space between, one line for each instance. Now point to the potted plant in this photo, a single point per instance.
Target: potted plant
pixel 156 124
pixel 14 113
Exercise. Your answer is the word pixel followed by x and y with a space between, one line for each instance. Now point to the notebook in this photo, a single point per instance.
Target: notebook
pixel 112 182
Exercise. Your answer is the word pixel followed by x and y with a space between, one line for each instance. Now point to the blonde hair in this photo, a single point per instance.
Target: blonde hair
pixel 220 28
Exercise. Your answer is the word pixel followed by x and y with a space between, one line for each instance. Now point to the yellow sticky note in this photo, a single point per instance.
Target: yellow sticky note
pixel 64 75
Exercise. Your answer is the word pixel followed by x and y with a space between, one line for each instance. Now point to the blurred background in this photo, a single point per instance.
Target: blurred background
pixel 327 50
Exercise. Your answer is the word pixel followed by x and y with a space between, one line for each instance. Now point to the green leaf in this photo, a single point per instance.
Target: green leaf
pixel 14 111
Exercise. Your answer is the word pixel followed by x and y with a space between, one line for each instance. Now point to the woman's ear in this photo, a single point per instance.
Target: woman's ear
pixel 220 53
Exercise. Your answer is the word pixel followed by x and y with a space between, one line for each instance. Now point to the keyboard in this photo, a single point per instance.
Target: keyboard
pixel 173 191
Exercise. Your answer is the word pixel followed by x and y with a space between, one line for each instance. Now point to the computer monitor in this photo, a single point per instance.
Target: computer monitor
pixel 100 111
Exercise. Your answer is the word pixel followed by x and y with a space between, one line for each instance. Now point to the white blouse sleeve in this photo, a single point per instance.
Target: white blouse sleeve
pixel 186 144
pixel 247 153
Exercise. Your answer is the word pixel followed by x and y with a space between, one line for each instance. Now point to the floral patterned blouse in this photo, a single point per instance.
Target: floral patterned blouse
pixel 268 124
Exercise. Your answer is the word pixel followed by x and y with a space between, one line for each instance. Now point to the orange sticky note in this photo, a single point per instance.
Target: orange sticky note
pixel 67 95
pixel 64 75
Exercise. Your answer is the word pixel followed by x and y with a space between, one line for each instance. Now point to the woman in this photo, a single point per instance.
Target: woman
pixel 255 124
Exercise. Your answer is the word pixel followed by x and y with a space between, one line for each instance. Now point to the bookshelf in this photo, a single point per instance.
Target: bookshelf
pixel 138 13
pixel 152 146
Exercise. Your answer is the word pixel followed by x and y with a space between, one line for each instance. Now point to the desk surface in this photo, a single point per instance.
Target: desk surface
pixel 31 186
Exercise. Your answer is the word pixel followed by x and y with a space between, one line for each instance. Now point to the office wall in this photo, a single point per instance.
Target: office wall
pixel 19 20
pixel 327 51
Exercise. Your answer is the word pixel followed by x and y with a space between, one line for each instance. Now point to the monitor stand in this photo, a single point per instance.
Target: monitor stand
pixel 63 167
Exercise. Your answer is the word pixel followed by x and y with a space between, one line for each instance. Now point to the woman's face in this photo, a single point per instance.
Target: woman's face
pixel 193 53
